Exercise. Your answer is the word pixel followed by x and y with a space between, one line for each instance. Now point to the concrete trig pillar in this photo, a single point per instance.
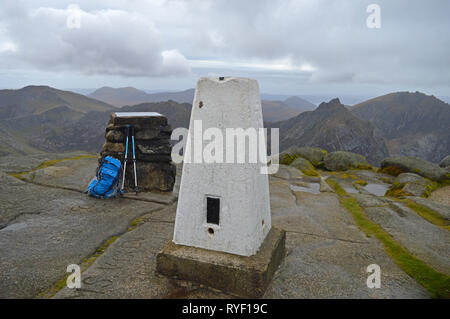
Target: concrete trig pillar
pixel 224 206
pixel 223 234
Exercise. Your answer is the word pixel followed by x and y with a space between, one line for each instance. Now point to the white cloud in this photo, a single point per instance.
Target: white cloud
pixel 7 47
pixel 114 42
pixel 310 44
pixel 277 65
pixel 174 63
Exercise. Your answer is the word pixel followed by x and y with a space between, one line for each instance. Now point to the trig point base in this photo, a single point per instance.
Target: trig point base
pixel 241 276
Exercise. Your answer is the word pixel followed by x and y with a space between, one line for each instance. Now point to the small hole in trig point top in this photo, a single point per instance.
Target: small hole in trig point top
pixel 221 78
pixel 211 231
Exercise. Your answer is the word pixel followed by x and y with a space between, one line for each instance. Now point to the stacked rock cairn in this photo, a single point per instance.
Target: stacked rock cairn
pixel 154 166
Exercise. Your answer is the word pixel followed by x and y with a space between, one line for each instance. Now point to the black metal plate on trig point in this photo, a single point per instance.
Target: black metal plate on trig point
pixel 212 210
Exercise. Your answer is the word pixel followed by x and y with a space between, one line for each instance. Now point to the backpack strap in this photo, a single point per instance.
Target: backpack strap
pixel 113 184
pixel 98 174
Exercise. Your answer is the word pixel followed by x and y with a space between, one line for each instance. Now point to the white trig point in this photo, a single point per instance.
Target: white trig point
pixel 224 206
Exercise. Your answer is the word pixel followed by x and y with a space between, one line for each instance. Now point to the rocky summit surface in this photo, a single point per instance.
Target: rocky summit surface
pixel 48 223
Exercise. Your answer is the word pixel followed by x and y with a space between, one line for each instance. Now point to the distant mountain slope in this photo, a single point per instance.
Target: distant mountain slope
pixel 46 131
pixel 332 127
pixel 178 114
pixel 120 96
pixel 34 100
pixel 13 145
pixel 186 96
pixel 299 104
pixel 413 124
pixel 274 111
pixel 62 129
pixel 36 118
pixel 132 96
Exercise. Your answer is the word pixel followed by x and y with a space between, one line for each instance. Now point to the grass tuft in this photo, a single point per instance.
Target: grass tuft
pixel 310 172
pixel 428 214
pixel 85 264
pixel 360 182
pixel 346 175
pixel 436 283
pixel 20 175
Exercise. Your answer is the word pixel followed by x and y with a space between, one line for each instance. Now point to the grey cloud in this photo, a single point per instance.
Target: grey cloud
pixel 138 38
pixel 114 42
pixel 412 46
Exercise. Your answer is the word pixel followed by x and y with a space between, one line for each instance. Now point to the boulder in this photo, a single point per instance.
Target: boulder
pixel 154 158
pixel 410 184
pixel 287 172
pixel 405 164
pixel 154 148
pixel 305 166
pixel 153 133
pixel 138 121
pixel 118 155
pixel 314 155
pixel 115 136
pixel 287 157
pixel 414 189
pixel 110 126
pixel 445 162
pixel 113 147
pixel 151 176
pixel 324 187
pixel 154 166
pixel 343 161
pixel 405 178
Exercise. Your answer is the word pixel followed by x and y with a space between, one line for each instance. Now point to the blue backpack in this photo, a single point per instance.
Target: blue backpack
pixel 106 183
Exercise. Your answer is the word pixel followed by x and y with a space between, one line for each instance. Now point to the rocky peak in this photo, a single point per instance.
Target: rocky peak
pixel 332 127
pixel 332 104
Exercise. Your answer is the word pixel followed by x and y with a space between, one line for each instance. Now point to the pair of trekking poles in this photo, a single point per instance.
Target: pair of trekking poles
pixel 129 130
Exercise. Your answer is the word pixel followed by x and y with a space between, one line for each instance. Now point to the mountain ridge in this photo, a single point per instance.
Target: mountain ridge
pixel 131 96
pixel 401 123
pixel 412 123
pixel 332 127
pixel 273 110
pixel 36 99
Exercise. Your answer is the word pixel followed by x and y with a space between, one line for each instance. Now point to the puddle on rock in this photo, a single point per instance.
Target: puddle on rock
pixel 314 188
pixel 377 189
pixel 14 227
pixel 350 189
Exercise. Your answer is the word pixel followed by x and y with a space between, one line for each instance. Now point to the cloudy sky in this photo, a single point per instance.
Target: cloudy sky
pixel 290 46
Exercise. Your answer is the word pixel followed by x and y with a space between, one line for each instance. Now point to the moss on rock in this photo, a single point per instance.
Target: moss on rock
pixel 314 155
pixel 343 161
pixel 305 166
pixel 360 182
pixel 407 164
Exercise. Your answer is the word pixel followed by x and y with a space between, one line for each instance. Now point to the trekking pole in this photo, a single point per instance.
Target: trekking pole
pixel 127 132
pixel 134 161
